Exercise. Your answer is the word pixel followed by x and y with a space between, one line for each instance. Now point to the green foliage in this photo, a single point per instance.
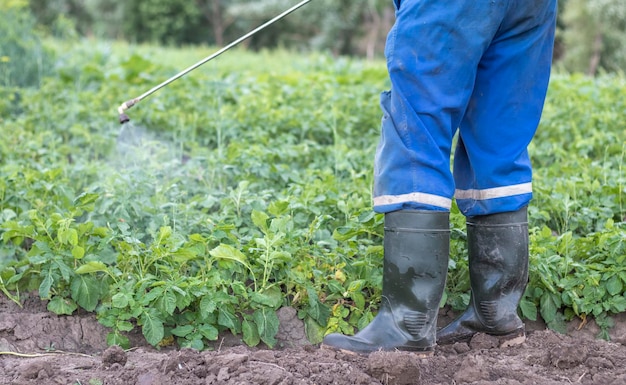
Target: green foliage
pixel 23 59
pixel 579 211
pixel 208 218
pixel 591 151
pixel 577 276
pixel 245 187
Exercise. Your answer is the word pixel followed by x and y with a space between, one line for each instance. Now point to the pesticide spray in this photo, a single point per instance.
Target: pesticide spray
pixel 139 151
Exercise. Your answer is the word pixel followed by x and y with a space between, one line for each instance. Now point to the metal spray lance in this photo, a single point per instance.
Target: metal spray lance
pixel 130 103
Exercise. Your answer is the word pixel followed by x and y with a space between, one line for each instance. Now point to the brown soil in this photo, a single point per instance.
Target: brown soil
pixel 41 348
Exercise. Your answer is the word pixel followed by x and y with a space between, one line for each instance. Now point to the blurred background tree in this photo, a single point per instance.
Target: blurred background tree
pixel 591 34
pixel 594 35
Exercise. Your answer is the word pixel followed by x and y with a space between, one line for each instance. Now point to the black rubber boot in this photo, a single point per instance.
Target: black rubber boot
pixel 498 268
pixel 416 248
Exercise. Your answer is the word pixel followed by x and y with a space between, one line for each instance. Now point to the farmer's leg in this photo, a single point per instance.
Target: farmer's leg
pixel 493 171
pixel 432 54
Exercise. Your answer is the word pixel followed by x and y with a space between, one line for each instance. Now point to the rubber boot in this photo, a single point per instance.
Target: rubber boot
pixel 416 248
pixel 498 269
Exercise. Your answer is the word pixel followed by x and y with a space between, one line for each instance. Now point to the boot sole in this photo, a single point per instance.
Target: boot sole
pixel 514 338
pixel 418 353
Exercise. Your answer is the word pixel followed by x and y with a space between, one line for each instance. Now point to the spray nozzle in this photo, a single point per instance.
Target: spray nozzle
pixel 125 106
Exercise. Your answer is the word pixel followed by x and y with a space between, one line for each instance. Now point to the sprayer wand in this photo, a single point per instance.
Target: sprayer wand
pixel 130 103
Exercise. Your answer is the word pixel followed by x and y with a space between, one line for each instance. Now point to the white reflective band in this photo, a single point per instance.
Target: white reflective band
pixel 428 199
pixel 492 193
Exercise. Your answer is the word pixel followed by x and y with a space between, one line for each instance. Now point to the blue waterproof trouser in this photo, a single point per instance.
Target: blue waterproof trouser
pixel 480 67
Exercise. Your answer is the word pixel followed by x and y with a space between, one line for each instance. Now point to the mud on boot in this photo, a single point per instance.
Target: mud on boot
pixel 498 268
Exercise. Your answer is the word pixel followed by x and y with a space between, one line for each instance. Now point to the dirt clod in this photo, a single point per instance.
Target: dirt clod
pixel 38 370
pixel 291 332
pixel 114 355
pixel 472 369
pixel 394 368
pixel 461 347
pixel 150 378
pixel 568 357
pixel 484 341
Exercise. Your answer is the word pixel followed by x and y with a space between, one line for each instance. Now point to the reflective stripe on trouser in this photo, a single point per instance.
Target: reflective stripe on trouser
pixel 481 67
